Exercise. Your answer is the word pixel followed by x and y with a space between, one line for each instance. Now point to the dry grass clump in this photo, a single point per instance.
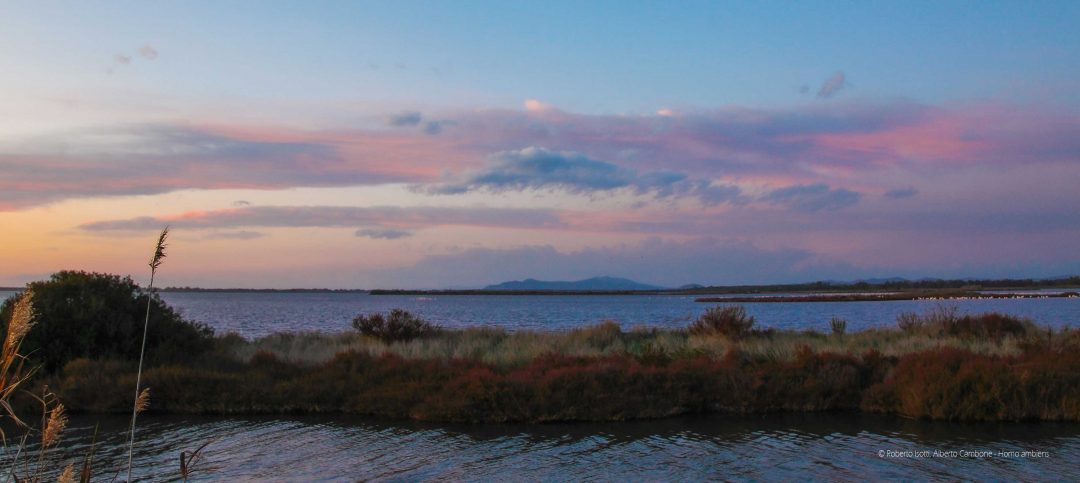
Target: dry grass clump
pixel 304 348
pixel 500 347
pixel 486 344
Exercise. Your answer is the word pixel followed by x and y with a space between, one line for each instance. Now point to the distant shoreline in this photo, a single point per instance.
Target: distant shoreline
pixel 801 288
pixel 918 287
pixel 263 290
pixel 888 297
pixel 523 292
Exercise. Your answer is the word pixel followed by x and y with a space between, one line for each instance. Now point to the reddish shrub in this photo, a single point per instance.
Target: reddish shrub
pixel 991 325
pixel 960 385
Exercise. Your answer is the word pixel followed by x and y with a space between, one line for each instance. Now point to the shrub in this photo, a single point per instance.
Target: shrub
pixel 1046 341
pixel 82 314
pixel 729 321
pixel 600 336
pixel 838 326
pixel 991 325
pixel 909 321
pixel 399 325
pixel 941 317
pixel 952 384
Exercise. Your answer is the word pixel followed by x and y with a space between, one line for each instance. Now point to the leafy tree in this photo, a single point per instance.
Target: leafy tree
pixel 99 316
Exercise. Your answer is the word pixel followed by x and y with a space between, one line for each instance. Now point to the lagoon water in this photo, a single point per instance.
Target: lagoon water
pixel 779 447
pixel 257 314
pixel 834 446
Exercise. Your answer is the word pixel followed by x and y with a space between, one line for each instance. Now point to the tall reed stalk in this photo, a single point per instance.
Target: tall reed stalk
pixel 155 262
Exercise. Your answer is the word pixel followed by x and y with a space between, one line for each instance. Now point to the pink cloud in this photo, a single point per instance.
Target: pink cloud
pixel 939 136
pixel 846 146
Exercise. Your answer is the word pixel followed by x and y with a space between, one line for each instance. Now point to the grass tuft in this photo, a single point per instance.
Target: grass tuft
pixel 838 326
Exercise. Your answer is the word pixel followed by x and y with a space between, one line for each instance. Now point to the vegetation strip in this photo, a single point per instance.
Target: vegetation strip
pixel 879 297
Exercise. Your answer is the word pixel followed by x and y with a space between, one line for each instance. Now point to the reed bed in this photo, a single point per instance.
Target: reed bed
pixel 1040 382
pixel 505 348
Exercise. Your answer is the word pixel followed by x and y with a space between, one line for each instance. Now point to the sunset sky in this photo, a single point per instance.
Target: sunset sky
pixel 463 143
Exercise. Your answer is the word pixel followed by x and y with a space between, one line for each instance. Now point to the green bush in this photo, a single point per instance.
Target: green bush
pixel 398 326
pixel 95 315
pixel 730 321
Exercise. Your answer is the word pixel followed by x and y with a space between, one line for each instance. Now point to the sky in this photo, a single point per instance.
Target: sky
pixel 459 144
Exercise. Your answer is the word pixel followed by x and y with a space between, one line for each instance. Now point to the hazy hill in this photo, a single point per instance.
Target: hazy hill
pixel 595 283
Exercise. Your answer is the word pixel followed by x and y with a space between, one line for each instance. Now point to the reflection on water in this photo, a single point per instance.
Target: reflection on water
pixel 773 447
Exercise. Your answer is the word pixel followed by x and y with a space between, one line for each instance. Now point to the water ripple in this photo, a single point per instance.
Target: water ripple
pixel 778 447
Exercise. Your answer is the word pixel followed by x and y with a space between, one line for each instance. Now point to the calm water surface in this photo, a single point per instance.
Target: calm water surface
pixel 789 447
pixel 257 314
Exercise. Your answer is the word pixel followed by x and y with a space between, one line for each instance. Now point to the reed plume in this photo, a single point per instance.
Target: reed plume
pixel 68 475
pixel 155 262
pixel 11 362
pixel 54 425
pixel 143 401
pixel 22 318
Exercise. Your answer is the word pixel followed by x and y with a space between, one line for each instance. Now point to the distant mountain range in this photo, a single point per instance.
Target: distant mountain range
pixel 595 283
